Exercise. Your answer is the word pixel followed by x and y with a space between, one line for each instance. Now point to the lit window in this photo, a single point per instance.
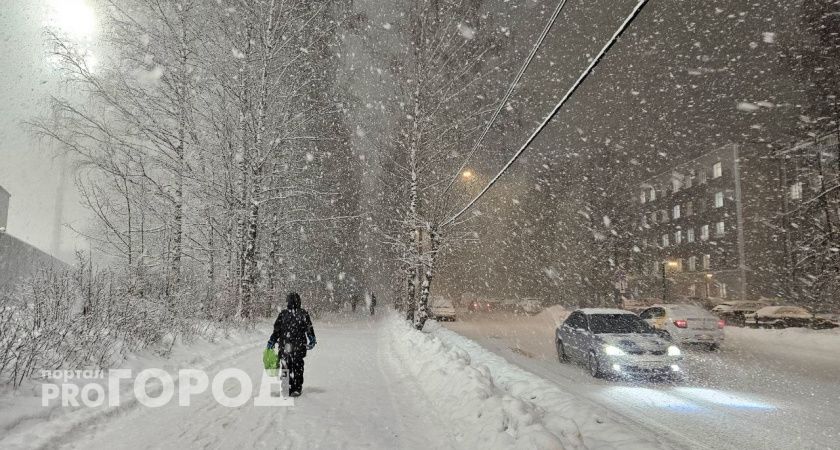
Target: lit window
pixel 678 265
pixel 642 197
pixel 707 262
pixel 665 242
pixel 796 191
pixel 689 235
pixel 719 229
pixel 677 212
pixel 692 263
pixel 689 180
pixel 718 199
pixel 815 180
pixel 717 170
pixel 676 184
pixel 722 287
pixel 652 194
pixel 678 237
pixel 701 177
pixel 689 209
pixel 704 233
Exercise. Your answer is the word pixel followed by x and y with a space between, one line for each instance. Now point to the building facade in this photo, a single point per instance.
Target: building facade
pixel 810 219
pixel 4 207
pixel 18 259
pixel 704 229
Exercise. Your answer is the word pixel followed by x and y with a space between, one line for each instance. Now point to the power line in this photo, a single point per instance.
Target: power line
pixel 508 94
pixel 578 82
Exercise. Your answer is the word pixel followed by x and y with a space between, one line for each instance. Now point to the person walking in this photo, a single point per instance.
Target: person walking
pixel 372 303
pixel 294 334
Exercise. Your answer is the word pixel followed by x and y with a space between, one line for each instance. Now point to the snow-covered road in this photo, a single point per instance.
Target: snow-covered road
pixel 754 393
pixel 354 397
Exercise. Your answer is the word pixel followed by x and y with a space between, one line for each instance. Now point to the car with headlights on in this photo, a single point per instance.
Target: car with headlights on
pixel 616 343
pixel 685 324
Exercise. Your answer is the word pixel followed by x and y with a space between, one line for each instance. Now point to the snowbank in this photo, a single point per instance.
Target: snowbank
pixel 789 340
pixel 497 405
pixel 25 423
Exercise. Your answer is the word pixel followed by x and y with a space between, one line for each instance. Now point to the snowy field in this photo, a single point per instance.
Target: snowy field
pixel 764 389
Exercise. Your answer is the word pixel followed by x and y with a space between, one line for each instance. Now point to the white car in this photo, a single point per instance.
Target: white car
pixel 441 309
pixel 685 324
pixel 616 343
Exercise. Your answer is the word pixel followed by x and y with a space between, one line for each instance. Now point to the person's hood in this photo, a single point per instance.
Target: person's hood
pixel 293 301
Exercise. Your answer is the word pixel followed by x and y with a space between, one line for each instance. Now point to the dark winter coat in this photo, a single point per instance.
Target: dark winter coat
pixel 292 328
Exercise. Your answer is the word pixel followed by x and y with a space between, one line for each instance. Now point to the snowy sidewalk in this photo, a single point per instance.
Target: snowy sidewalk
pixel 352 398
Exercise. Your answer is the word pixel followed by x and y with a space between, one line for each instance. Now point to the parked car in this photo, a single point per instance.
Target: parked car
pixel 786 316
pixel 441 309
pixel 831 318
pixel 734 312
pixel 685 324
pixel 616 343
pixel 478 305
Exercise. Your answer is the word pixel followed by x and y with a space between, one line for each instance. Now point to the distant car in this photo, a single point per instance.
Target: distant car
pixel 480 305
pixel 786 317
pixel 528 306
pixel 441 309
pixel 616 343
pixel 735 312
pixel 831 318
pixel 685 324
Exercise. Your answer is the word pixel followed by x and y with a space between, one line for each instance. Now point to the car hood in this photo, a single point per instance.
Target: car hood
pixel 635 341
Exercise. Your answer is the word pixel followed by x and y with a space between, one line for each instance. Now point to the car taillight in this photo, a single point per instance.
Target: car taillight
pixel 681 323
pixel 721 324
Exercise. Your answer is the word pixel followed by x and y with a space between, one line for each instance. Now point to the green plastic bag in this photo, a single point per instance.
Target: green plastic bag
pixel 270 362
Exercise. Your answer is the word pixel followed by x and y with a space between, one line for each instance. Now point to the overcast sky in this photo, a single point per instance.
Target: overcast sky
pixel 29 170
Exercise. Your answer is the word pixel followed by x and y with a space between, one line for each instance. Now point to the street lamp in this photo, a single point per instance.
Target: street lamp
pixel 467 174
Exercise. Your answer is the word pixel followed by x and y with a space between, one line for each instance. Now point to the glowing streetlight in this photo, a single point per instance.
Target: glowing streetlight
pixel 467 174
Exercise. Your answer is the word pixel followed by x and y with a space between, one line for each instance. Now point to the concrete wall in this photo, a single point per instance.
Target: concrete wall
pixel 4 207
pixel 19 259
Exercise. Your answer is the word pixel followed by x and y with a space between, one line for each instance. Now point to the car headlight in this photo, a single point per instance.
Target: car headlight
pixel 674 351
pixel 613 350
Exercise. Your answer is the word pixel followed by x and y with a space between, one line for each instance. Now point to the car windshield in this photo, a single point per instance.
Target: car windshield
pixel 617 324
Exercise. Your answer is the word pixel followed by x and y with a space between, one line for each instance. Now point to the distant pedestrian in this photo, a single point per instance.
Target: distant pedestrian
pixel 354 300
pixel 292 329
pixel 372 303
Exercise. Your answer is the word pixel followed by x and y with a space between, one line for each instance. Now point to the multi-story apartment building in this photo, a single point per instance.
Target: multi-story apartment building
pixel 702 228
pixel 810 219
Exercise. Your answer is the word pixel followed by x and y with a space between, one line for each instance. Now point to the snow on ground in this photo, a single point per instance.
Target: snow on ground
pixel 764 389
pixel 500 405
pixel 22 415
pixel 353 397
pixel 818 344
pixel 377 383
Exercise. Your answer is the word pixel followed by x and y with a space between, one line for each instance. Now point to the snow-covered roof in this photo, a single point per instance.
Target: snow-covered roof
pixel 604 311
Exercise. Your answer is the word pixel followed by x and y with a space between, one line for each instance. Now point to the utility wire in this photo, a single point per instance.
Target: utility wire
pixel 556 109
pixel 508 94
